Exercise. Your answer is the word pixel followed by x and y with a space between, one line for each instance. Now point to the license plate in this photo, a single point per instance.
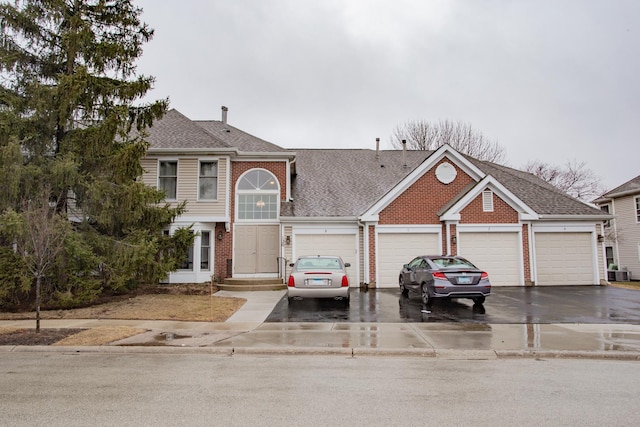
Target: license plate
pixel 318 282
pixel 465 280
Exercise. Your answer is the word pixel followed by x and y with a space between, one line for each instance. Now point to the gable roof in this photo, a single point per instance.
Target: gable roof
pixel 628 188
pixel 348 182
pixel 176 131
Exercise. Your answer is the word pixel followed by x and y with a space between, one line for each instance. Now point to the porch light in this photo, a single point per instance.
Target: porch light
pixel 453 239
pixel 219 235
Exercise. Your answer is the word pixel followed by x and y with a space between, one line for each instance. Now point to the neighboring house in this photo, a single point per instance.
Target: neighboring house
pixel 256 205
pixel 622 233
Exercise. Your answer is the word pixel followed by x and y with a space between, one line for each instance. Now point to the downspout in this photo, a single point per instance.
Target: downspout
pixel 365 237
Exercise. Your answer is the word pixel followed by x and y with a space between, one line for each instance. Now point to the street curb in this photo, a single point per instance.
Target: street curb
pixel 443 354
pixel 566 354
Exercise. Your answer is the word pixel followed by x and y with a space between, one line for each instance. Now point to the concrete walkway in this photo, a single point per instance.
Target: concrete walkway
pixel 246 333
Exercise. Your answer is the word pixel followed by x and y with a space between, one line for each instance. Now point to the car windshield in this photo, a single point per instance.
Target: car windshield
pixel 319 264
pixel 452 263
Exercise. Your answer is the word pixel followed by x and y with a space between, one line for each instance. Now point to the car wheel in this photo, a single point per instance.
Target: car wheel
pixel 290 300
pixel 427 300
pixel 478 300
pixel 346 301
pixel 403 290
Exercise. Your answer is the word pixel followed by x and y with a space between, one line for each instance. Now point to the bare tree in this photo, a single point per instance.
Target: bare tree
pixel 424 135
pixel 39 233
pixel 574 178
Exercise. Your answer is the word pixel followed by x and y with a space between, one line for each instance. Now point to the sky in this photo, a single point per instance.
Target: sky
pixel 550 80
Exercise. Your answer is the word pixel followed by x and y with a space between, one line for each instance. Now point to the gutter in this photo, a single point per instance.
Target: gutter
pixel 226 151
pixel 319 219
pixel 602 217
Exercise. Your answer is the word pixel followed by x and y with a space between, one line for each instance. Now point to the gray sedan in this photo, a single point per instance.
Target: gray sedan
pixel 319 277
pixel 434 276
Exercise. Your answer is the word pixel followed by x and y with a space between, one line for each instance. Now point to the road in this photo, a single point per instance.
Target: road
pixel 79 389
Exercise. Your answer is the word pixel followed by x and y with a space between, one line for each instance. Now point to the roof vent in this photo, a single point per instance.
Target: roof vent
pixel 404 153
pixel 224 114
pixel 377 148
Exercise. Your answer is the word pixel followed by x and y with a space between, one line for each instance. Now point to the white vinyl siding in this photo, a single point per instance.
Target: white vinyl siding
pixel 188 169
pixel 497 253
pixel 628 228
pixel 564 258
pixel 397 249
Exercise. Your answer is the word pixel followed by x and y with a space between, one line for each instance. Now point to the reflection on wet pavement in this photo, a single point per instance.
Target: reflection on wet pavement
pixel 521 305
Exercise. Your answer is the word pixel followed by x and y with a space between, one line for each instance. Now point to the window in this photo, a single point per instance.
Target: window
pixel 606 209
pixel 637 209
pixel 188 263
pixel 258 196
pixel 205 249
pixel 168 178
pixel 208 180
pixel 487 201
pixel 608 250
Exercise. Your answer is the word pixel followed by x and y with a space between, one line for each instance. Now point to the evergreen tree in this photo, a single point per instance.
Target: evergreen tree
pixel 72 121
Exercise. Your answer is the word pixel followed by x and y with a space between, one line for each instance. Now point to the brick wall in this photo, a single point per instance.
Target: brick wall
pixel 224 248
pixel 420 203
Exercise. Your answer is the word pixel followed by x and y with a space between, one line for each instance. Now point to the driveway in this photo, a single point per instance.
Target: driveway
pixel 516 305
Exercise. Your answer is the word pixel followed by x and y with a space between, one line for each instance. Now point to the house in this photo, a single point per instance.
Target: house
pixel 255 206
pixel 622 233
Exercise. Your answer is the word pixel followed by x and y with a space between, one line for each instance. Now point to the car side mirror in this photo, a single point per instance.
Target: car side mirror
pixel 406 266
pixel 346 264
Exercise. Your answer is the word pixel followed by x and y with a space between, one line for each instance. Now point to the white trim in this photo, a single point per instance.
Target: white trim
pixel 208 160
pixel 353 230
pixel 168 159
pixel 445 151
pixel 496 228
pixel 484 228
pixel 489 182
pixel 380 229
pixel 567 227
pixel 275 192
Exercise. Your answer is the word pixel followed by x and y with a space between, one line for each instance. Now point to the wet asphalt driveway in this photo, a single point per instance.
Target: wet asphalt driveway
pixel 518 305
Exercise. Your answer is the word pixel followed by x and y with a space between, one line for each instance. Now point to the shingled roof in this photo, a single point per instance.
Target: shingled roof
pixel 176 131
pixel 237 138
pixel 630 187
pixel 346 182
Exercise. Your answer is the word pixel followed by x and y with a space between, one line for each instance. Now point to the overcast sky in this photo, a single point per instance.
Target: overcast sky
pixel 550 80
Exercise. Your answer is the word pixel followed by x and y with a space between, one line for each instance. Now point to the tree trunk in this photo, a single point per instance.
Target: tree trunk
pixel 38 303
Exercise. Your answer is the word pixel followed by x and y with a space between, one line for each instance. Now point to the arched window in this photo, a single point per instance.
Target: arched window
pixel 258 195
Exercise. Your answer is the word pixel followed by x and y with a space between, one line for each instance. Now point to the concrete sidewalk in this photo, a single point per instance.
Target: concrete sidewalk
pixel 246 333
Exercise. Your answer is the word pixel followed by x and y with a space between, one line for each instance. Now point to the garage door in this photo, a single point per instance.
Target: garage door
pixel 343 245
pixel 564 259
pixel 396 249
pixel 498 254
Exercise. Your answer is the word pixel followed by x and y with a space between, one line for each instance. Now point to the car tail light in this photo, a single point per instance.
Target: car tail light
pixel 291 283
pixel 484 275
pixel 345 282
pixel 439 275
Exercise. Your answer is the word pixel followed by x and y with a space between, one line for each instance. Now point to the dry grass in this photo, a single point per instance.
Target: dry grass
pixel 164 306
pixel 626 285
pixel 100 335
pixel 196 308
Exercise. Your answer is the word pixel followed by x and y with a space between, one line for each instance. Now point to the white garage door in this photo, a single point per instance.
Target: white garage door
pixel 396 249
pixel 564 259
pixel 498 254
pixel 342 245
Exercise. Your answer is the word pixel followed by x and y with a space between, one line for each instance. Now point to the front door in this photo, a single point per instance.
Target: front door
pixel 257 248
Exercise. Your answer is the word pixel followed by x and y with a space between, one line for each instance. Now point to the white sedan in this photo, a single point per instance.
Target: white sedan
pixel 319 277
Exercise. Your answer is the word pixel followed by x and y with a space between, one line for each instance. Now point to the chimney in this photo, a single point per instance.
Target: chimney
pixel 377 148
pixel 404 153
pixel 224 114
